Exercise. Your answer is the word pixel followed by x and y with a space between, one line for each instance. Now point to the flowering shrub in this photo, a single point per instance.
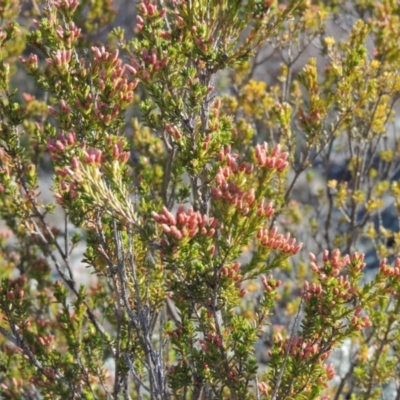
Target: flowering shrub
pixel 207 200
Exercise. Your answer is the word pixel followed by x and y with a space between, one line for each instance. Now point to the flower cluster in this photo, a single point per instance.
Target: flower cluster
pixel 58 146
pixel 274 159
pixel 16 293
pixel 330 371
pixel 60 61
pixel 110 70
pixel 228 181
pixel 340 290
pixel 360 322
pixel 119 154
pixel 31 63
pixel 304 353
pixel 232 271
pixel 274 241
pixel 233 168
pixel 152 63
pixel 72 5
pixel 343 290
pixel 269 283
pixel 305 348
pixel 173 131
pixel 241 199
pixel 93 156
pixel 334 265
pixel 210 339
pixel 65 141
pixel 227 189
pixel 388 271
pixel 263 388
pixel 186 224
pixel 69 35
pixel 14 290
pixel 391 276
pixel 149 10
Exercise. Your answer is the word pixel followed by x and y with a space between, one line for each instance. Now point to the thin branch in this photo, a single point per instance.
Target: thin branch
pixel 16 339
pixel 280 376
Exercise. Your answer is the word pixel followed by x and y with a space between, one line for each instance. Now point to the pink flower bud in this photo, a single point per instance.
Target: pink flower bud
pixel 74 163
pixel 130 69
pixel 276 150
pixel 204 347
pixel 166 228
pixel 211 232
pixel 169 216
pixel 312 258
pixel 176 232
pixel 52 111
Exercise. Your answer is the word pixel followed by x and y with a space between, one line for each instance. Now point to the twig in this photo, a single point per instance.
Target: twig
pixel 278 382
pixel 16 339
pixel 257 389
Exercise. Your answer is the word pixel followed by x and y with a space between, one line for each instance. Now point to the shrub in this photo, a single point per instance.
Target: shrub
pixel 184 174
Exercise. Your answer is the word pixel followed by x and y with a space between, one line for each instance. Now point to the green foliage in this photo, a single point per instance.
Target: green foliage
pixel 177 172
